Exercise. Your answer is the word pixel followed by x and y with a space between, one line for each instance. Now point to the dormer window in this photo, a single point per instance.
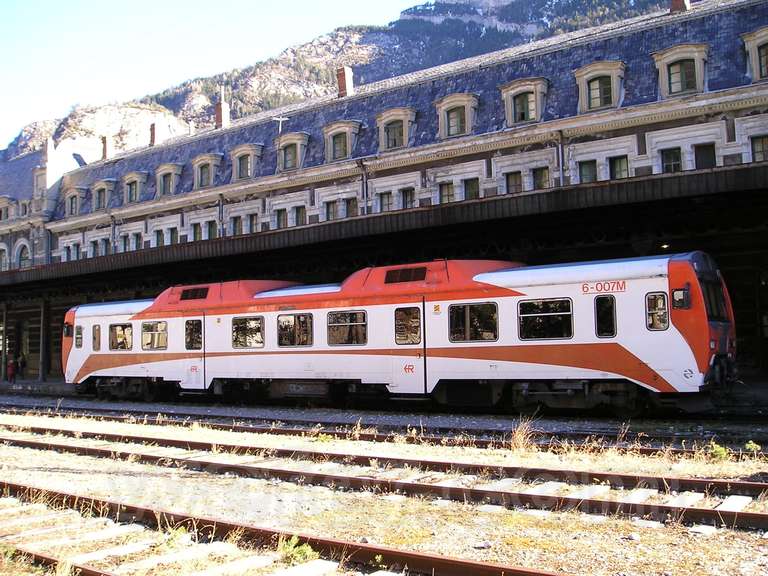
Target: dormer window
pixel 524 100
pixel 205 166
pixel 100 199
pixel 457 121
pixel 600 92
pixel 340 139
pixel 243 166
pixel 456 115
pixel 393 134
pixel 291 149
pixel 600 85
pixel 682 76
pixel 681 69
pixel 73 201
pixel 133 186
pixel 101 192
pixel 395 128
pixel 339 147
pixel 756 45
pixel 24 209
pixel 167 178
pixel 290 157
pixel 244 159
pixel 132 192
pixel 525 107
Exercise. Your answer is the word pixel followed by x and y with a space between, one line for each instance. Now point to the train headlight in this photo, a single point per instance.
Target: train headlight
pixel 712 344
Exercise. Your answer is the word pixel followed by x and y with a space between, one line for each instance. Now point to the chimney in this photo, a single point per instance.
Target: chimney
pixel 222 110
pixel 676 6
pixel 152 134
pixel 106 147
pixel 345 81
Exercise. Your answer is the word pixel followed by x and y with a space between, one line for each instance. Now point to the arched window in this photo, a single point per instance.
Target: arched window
pixel 456 120
pixel 600 92
pixel 682 76
pixel 394 134
pixel 24 258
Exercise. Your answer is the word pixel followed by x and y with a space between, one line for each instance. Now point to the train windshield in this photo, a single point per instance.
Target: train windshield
pixel 714 300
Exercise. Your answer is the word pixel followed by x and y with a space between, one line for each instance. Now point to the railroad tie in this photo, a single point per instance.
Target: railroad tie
pixel 590 492
pixel 53 532
pixel 24 520
pixel 193 553
pixel 313 568
pixel 639 495
pixel 734 503
pixel 239 566
pixel 109 533
pixel 104 553
pixel 685 500
pixel 545 489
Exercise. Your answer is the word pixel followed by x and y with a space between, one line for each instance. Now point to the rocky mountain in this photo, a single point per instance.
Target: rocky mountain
pixel 424 35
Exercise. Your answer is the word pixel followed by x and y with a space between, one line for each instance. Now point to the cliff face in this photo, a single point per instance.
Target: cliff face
pixel 425 35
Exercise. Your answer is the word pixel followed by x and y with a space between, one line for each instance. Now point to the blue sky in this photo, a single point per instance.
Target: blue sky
pixel 59 53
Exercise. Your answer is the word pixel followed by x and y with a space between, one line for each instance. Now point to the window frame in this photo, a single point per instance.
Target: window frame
pixel 679 161
pixel 763 140
pixel 78 336
pixel 311 326
pixel 584 165
pixel 364 323
pixel 463 105
pixel 600 92
pixel 446 198
pixel 262 331
pixel 648 311
pixel 96 337
pixel 612 168
pixel 687 66
pixel 469 305
pixel 520 317
pixel 148 346
pixel 615 316
pixel 186 334
pixel 419 332
pixel 120 325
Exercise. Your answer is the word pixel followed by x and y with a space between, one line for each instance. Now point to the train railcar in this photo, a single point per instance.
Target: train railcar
pixel 616 333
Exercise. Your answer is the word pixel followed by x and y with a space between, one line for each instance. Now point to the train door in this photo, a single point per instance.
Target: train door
pixel 409 365
pixel 194 347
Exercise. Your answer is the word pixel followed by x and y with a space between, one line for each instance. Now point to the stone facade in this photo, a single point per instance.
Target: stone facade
pixel 712 125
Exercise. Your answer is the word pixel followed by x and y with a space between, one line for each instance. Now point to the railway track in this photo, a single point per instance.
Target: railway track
pixel 25 529
pixel 662 498
pixel 640 443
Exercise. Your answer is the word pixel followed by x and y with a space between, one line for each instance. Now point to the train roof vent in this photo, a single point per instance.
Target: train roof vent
pixel 194 293
pixel 405 275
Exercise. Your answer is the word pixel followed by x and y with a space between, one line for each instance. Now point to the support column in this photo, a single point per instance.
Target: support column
pixel 4 359
pixel 43 364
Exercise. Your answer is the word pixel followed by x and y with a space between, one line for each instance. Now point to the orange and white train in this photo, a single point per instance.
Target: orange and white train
pixel 616 333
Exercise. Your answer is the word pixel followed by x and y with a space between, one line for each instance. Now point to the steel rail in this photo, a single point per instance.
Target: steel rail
pixel 208 527
pixel 350 433
pixel 615 480
pixel 508 499
pixel 48 561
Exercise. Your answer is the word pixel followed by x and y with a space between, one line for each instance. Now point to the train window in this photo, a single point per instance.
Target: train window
pixel 154 335
pixel 96 337
pixel 120 337
pixel 67 330
pixel 714 301
pixel 78 336
pixel 294 330
pixel 248 332
pixel 408 326
pixel 605 316
pixel 681 298
pixel 656 314
pixel 473 322
pixel 193 334
pixel 347 328
pixel 545 319
pixel 194 293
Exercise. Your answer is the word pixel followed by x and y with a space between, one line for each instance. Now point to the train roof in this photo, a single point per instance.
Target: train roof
pixel 595 271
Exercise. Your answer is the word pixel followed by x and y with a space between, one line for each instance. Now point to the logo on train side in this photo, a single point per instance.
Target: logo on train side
pixel 409 368
pixel 605 287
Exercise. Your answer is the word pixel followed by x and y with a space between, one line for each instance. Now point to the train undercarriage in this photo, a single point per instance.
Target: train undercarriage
pixel 619 397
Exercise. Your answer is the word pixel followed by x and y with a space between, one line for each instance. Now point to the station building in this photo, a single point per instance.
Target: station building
pixel 666 106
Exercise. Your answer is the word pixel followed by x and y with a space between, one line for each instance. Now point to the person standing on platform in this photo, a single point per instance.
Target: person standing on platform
pixel 11 369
